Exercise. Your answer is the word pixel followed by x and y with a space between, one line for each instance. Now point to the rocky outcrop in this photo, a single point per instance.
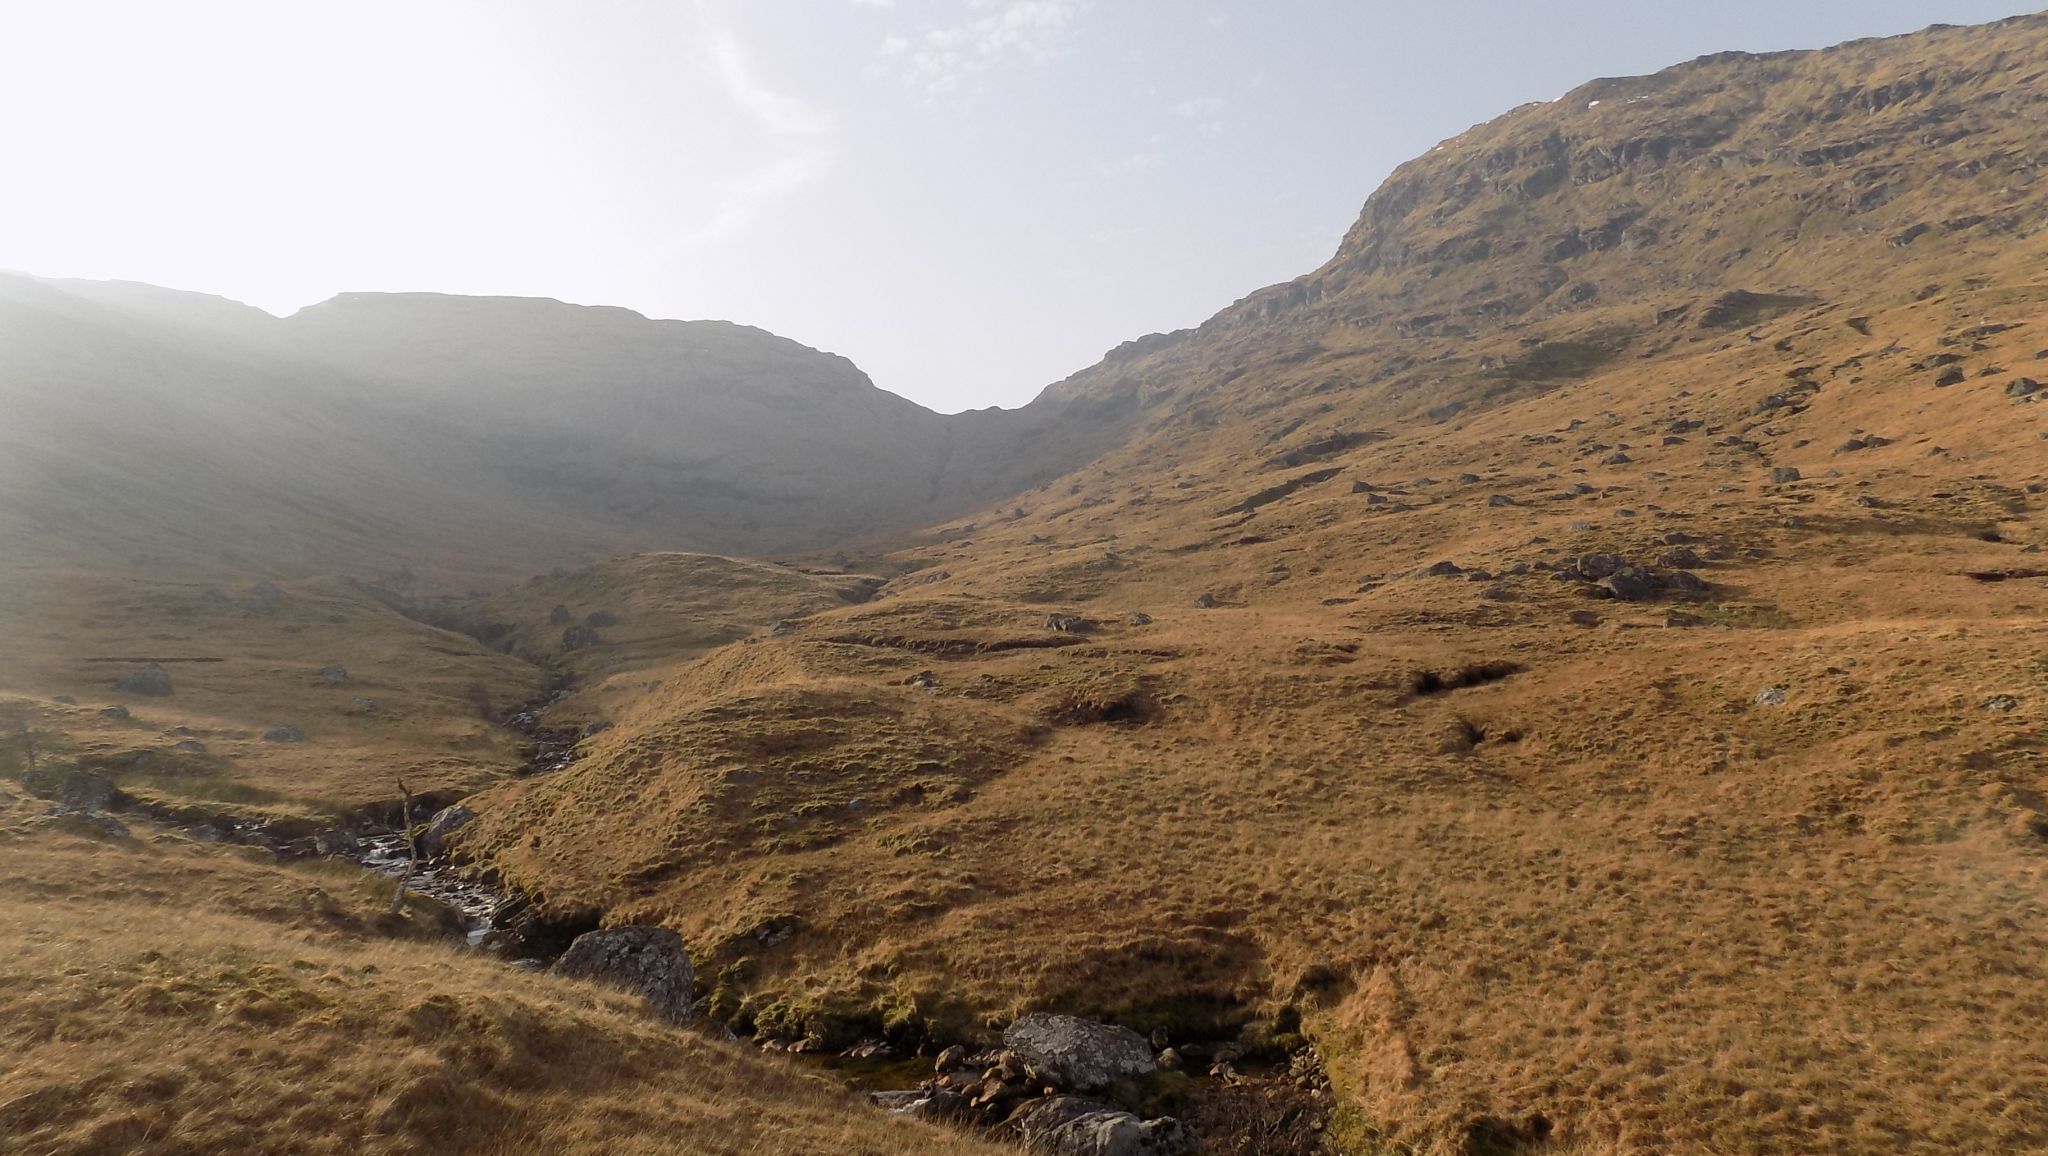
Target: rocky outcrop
pixel 647 960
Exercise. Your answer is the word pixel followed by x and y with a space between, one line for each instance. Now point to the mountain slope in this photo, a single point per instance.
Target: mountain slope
pixel 464 438
pixel 1611 224
pixel 1575 656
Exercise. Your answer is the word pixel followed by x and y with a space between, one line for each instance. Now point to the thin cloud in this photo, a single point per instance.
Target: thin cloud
pixel 742 199
pixel 800 138
pixel 779 113
pixel 951 58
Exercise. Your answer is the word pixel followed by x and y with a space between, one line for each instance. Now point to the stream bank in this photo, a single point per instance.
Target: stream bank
pixel 1221 1096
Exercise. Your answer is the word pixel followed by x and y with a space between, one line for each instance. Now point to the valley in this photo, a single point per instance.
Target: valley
pixel 1564 676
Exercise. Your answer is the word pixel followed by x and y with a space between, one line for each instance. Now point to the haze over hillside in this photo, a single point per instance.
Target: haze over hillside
pixel 1564 676
pixel 490 437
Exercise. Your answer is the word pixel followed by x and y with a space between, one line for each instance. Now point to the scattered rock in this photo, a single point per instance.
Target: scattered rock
pixel 1771 696
pixel 285 734
pixel 647 960
pixel 336 841
pixel 1139 618
pixel 1681 557
pixel 1683 581
pixel 189 747
pixel 2022 387
pixel 86 821
pixel 333 674
pixel 362 706
pixel 1593 567
pixel 1079 1054
pixel 151 680
pixel 2001 702
pixel 560 616
pixel 1072 1126
pixel 599 619
pixel 116 713
pixel 1205 601
pixel 1583 618
pixel 1617 458
pixel 871 1050
pixel 1953 375
pixel 782 628
pixel 1783 475
pixel 1632 584
pixel 950 1060
pixel 1679 618
pixel 1068 623
pixel 579 637
pixel 72 788
pixel 1442 570
pixel 1498 501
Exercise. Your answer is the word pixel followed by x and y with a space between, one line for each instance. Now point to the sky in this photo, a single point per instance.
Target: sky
pixel 970 198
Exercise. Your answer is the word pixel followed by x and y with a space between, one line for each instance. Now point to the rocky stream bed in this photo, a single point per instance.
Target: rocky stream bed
pixel 1054 1083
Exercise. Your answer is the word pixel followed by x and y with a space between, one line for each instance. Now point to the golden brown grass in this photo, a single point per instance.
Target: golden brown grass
pixel 165 998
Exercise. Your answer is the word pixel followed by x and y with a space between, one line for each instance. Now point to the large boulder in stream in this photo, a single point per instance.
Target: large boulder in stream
pixel 433 841
pixel 1077 1053
pixel 1072 1126
pixel 648 960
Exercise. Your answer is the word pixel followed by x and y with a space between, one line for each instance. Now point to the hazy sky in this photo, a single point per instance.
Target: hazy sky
pixel 970 198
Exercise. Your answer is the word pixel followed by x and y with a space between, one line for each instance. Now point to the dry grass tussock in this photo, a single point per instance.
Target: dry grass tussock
pixel 162 998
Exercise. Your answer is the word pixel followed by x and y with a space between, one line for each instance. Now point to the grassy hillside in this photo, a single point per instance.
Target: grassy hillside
pixel 165 997
pixel 1738 860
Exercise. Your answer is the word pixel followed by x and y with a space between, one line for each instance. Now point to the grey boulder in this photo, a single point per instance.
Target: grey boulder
pixel 647 960
pixel 1072 1126
pixel 448 820
pixel 1077 1053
